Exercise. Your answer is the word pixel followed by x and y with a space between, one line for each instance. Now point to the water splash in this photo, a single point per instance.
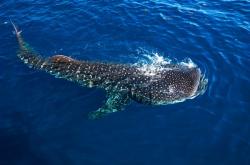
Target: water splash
pixel 153 63
pixel 188 63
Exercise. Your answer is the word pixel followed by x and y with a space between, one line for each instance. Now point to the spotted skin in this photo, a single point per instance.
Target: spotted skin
pixel 123 83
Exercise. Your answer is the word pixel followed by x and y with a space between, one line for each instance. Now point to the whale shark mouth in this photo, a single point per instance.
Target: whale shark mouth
pixel 201 86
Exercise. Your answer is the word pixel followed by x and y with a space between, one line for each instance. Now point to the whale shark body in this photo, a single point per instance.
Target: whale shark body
pixel 123 82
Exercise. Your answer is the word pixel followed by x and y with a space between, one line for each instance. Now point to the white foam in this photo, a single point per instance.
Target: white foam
pixel 153 64
pixel 157 59
pixel 188 63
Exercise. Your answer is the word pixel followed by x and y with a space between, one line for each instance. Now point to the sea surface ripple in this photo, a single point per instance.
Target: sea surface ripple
pixel 44 120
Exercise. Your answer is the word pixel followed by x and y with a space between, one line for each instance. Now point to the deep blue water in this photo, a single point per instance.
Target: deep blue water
pixel 43 120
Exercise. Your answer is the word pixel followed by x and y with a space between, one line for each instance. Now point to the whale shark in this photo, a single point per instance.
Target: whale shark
pixel 123 83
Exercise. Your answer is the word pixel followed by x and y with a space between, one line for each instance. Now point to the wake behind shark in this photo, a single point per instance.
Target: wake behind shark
pixel 123 82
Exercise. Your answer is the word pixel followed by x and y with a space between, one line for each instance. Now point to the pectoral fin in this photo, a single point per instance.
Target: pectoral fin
pixel 115 102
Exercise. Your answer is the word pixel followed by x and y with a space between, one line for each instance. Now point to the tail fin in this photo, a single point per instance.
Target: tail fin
pixel 26 53
pixel 18 35
pixel 17 32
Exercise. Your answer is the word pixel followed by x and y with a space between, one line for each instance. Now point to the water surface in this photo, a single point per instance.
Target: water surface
pixel 43 120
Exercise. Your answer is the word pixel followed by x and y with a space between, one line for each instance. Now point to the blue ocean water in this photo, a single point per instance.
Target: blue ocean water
pixel 43 120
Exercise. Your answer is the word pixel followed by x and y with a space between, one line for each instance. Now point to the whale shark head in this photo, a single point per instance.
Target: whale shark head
pixel 173 84
pixel 181 84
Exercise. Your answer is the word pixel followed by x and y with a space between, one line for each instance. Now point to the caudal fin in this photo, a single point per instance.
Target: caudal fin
pixel 18 35
pixel 26 53
pixel 17 32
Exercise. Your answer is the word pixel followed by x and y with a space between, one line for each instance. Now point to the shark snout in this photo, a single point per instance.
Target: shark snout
pixel 200 82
